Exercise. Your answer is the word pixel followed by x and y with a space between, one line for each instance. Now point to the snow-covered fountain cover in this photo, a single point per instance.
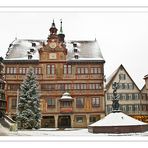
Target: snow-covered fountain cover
pixel 117 119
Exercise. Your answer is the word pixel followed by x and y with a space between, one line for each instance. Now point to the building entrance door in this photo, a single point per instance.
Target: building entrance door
pixel 64 122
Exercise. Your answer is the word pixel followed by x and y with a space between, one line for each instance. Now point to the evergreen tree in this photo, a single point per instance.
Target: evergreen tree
pixel 29 114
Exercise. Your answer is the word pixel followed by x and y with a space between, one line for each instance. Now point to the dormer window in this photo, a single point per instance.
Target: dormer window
pixel 74 45
pixel 30 56
pixel 76 56
pixel 75 50
pixel 31 50
pixel 33 44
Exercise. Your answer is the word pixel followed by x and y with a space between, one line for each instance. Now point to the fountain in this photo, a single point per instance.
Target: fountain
pixel 116 121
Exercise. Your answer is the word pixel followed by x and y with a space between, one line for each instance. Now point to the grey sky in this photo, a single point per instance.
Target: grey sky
pixel 123 37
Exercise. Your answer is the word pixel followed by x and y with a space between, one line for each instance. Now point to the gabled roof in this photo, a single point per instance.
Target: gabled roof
pixel 111 78
pixel 144 87
pixel 87 50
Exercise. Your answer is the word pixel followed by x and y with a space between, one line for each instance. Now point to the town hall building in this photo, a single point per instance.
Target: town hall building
pixel 70 76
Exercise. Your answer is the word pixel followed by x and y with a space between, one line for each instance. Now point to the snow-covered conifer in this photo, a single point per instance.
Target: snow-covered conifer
pixel 29 114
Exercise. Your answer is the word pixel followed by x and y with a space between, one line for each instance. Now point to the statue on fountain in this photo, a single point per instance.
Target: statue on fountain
pixel 115 104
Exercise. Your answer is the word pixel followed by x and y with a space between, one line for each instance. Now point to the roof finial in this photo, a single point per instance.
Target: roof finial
pixel 61 29
pixel 53 24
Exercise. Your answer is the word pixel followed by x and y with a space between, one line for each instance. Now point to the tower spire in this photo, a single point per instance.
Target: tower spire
pixel 53 24
pixel 61 29
pixel 53 29
pixel 61 35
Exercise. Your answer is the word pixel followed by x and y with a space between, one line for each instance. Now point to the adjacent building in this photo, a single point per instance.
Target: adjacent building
pixel 129 93
pixel 70 74
pixel 2 89
pixel 144 100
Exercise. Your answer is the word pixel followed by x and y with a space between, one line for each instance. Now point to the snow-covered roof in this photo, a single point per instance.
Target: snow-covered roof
pixel 117 119
pixel 66 96
pixel 86 50
pixel 20 49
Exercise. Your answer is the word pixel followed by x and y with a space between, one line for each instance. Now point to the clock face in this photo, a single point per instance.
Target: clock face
pixel 52 56
pixel 52 45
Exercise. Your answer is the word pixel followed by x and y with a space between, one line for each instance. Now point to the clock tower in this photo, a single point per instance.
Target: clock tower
pixel 54 39
pixel 55 48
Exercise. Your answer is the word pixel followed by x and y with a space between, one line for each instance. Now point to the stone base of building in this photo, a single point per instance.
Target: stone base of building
pixel 69 120
pixel 118 129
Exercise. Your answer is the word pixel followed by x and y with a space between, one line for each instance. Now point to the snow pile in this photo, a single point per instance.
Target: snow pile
pixel 117 119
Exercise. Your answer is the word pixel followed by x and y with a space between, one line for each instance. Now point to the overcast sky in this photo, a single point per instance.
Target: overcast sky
pixel 122 36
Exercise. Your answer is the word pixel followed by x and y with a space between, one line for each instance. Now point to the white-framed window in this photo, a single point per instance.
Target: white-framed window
pixel 11 70
pixel 130 108
pixel 123 96
pixel 23 70
pixel 95 86
pixel 130 96
pixel 136 96
pixel 67 69
pixel 123 107
pixel 51 69
pixel 81 86
pixel 131 86
pixel 109 96
pixel 95 102
pixel 37 70
pixel 95 70
pixel 122 77
pixel 67 86
pixel 82 70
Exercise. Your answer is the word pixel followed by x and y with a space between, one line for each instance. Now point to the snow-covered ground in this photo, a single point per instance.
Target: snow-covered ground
pixel 79 134
pixel 71 138
pixel 67 132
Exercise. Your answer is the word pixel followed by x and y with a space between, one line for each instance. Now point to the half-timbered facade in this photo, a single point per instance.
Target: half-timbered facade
pixel 129 93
